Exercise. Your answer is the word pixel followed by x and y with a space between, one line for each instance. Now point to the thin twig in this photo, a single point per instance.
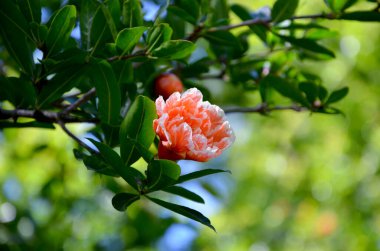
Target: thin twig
pixel 80 101
pixel 80 142
pixel 135 55
pixel 263 108
pixel 44 116
pixel 266 22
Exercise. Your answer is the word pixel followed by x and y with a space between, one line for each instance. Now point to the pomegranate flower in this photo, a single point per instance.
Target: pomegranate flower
pixel 190 128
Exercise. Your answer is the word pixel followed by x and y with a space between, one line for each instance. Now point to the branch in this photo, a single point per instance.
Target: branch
pixel 80 142
pixel 80 101
pixel 126 57
pixel 267 22
pixel 44 116
pixel 263 109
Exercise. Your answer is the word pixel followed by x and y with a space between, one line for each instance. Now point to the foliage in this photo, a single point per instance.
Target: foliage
pixel 105 75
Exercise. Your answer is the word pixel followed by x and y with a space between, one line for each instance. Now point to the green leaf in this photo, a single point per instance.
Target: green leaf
pixel 132 14
pixel 337 95
pixel 199 174
pixel 109 155
pixel 183 192
pixel 14 30
pixel 310 89
pixel 243 14
pixel 185 211
pixel 137 125
pixel 31 10
pixel 107 90
pixel 224 38
pixel 283 9
pixel 363 16
pixel 97 164
pixel 308 44
pixel 109 18
pixel 339 5
pixel 143 151
pixel 162 173
pixel 128 38
pixel 62 23
pixel 87 12
pixel 286 89
pixel 174 49
pixel 23 92
pixel 61 83
pixel 100 32
pixel 188 10
pixel 157 35
pixel 122 201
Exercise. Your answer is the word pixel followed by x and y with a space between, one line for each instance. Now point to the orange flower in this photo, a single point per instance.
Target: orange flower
pixel 190 128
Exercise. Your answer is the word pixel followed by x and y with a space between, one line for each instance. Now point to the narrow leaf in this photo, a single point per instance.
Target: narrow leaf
pixel 308 44
pixel 128 38
pixel 107 90
pixel 36 124
pixel 97 164
pixel 14 32
pixel 283 9
pixel 137 125
pixel 108 154
pixel 122 201
pixel 162 173
pixel 100 32
pixel 185 211
pixel 337 95
pixel 31 10
pixel 199 174
pixel 174 49
pixel 132 14
pixel 60 29
pixel 87 12
pixel 185 193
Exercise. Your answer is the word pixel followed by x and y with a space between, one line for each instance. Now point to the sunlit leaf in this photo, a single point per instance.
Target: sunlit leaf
pixel 337 95
pixel 128 38
pixel 132 14
pixel 162 173
pixel 137 125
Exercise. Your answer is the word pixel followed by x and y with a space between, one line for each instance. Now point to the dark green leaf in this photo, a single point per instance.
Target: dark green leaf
pixel 183 192
pixel 174 49
pixel 20 87
pixel 337 95
pixel 283 9
pixel 128 38
pixel 225 38
pixel 243 14
pixel 364 16
pixel 143 151
pixel 107 90
pixel 132 14
pixel 111 134
pixel 100 32
pixel 199 174
pixel 310 89
pixel 162 173
pixel 185 211
pixel 14 30
pixel 122 201
pixel 31 10
pixel 182 14
pixel 97 164
pixel 322 93
pixel 109 19
pixel 109 155
pixel 339 5
pixel 61 83
pixel 286 89
pixel 62 23
pixel 87 12
pixel 308 44
pixel 137 125
pixel 157 35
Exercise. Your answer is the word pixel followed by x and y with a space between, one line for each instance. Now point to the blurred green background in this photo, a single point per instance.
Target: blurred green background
pixel 299 181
